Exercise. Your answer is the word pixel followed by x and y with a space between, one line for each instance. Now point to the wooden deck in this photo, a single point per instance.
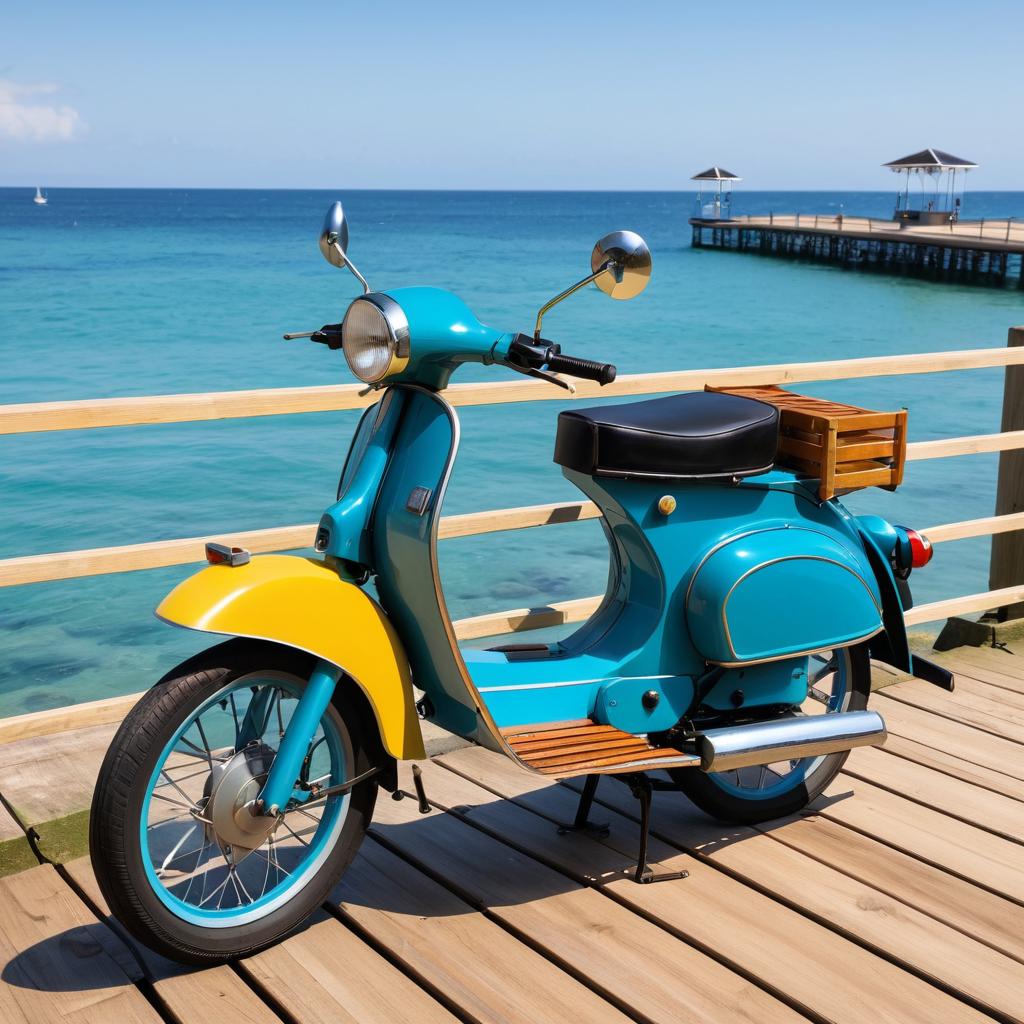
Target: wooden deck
pixel 900 898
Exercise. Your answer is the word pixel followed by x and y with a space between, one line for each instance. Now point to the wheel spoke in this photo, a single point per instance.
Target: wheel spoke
pixel 192 862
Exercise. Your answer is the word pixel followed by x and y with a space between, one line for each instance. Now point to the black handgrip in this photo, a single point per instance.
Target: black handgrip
pixel 587 369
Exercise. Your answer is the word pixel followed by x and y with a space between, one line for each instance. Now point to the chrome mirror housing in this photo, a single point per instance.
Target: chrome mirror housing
pixel 334 236
pixel 626 262
pixel 334 243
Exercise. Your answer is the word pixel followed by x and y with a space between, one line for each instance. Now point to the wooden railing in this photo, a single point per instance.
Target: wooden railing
pixel 48 416
pixel 1005 230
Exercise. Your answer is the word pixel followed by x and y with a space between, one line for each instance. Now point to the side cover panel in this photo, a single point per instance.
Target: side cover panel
pixel 302 603
pixel 780 592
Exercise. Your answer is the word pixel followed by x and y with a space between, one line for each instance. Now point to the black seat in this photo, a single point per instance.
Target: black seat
pixel 703 435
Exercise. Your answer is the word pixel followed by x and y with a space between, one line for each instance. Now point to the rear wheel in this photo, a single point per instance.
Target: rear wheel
pixel 840 680
pixel 179 857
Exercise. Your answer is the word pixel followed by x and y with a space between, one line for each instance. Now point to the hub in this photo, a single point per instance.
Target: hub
pixel 234 788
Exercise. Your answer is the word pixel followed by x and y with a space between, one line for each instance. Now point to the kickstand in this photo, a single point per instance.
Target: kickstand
pixel 599 830
pixel 642 790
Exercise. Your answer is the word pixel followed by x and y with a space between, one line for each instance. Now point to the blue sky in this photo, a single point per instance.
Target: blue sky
pixel 626 95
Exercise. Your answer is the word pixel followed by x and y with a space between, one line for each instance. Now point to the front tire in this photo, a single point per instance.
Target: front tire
pixel 168 855
pixel 751 795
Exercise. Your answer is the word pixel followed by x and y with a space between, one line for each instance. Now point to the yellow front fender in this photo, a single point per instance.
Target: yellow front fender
pixel 302 603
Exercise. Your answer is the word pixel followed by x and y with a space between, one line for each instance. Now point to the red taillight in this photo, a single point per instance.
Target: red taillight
pixel 921 550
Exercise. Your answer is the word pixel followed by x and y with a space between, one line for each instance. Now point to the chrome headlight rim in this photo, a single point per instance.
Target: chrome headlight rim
pixel 397 324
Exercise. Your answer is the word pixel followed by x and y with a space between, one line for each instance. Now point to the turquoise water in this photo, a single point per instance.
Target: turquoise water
pixel 107 293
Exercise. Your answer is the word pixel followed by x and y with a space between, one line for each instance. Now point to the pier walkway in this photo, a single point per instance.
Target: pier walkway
pixel 899 897
pixel 972 252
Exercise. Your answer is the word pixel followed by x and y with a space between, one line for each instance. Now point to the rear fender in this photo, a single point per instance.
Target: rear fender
pixel 889 646
pixel 302 603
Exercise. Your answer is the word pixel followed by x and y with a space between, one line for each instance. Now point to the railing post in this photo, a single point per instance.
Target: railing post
pixel 1007 561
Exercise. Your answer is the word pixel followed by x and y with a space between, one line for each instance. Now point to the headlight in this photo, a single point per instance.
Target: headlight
pixel 375 337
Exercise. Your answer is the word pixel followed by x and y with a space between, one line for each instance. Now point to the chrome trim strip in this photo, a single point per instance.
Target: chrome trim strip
pixel 573 682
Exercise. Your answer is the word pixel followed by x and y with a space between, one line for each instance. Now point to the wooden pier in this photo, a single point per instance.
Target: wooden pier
pixel 897 897
pixel 985 252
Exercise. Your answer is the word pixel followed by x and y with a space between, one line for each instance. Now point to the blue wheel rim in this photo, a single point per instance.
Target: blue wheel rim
pixel 756 783
pixel 237 903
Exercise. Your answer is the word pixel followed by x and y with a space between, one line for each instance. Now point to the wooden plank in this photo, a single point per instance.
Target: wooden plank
pixel 325 974
pixel 817 970
pixel 947 447
pixel 188 993
pixel 1010 698
pixel 551 514
pixel 59 962
pixel 976 912
pixel 991 811
pixel 68 762
pixel 989 666
pixel 984 527
pixel 439 937
pixel 107 412
pixel 945 842
pixel 518 620
pixel 58 565
pixel 960 768
pixel 109 711
pixel 62 565
pixel 937 610
pixel 992 752
pixel 895 929
pixel 1008 663
pixel 642 968
pixel 980 712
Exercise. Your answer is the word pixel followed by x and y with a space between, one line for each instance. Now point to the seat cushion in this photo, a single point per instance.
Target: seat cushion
pixel 700 435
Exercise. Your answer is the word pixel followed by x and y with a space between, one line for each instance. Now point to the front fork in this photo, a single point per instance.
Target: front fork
pixel 315 700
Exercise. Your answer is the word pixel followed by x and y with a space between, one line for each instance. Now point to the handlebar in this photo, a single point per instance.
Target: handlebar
pixel 586 369
pixel 533 354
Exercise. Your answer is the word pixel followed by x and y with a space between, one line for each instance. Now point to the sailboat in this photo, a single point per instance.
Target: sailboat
pixel 40 197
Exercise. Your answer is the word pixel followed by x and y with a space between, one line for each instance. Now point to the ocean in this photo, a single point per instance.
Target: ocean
pixel 136 292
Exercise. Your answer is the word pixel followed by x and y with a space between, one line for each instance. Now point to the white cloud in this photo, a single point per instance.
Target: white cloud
pixel 25 119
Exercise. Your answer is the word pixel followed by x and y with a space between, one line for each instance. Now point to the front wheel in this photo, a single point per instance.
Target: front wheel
pixel 840 680
pixel 179 857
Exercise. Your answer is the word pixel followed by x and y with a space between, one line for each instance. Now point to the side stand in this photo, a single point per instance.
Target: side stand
pixel 642 788
pixel 582 823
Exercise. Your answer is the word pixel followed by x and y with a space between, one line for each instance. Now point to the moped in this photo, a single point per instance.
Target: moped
pixel 729 656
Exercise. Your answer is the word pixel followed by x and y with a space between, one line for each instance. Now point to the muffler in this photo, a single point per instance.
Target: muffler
pixel 788 739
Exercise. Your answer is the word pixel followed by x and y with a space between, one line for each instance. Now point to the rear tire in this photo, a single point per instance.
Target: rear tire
pixel 122 858
pixel 710 792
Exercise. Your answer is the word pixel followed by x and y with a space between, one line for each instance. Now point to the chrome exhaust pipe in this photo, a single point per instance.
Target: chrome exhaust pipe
pixel 788 739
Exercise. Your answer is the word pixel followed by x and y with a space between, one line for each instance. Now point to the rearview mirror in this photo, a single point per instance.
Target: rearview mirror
pixel 334 236
pixel 627 263
pixel 334 242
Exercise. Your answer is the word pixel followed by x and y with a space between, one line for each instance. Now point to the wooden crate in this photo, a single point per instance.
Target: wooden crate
pixel 844 446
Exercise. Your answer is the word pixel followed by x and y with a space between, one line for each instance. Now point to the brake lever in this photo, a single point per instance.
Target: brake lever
pixel 529 371
pixel 301 334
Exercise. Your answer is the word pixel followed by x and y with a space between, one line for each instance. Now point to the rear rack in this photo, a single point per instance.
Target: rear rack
pixel 844 446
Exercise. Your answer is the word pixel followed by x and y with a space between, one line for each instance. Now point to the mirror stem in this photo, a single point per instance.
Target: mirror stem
pixel 351 266
pixel 610 265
